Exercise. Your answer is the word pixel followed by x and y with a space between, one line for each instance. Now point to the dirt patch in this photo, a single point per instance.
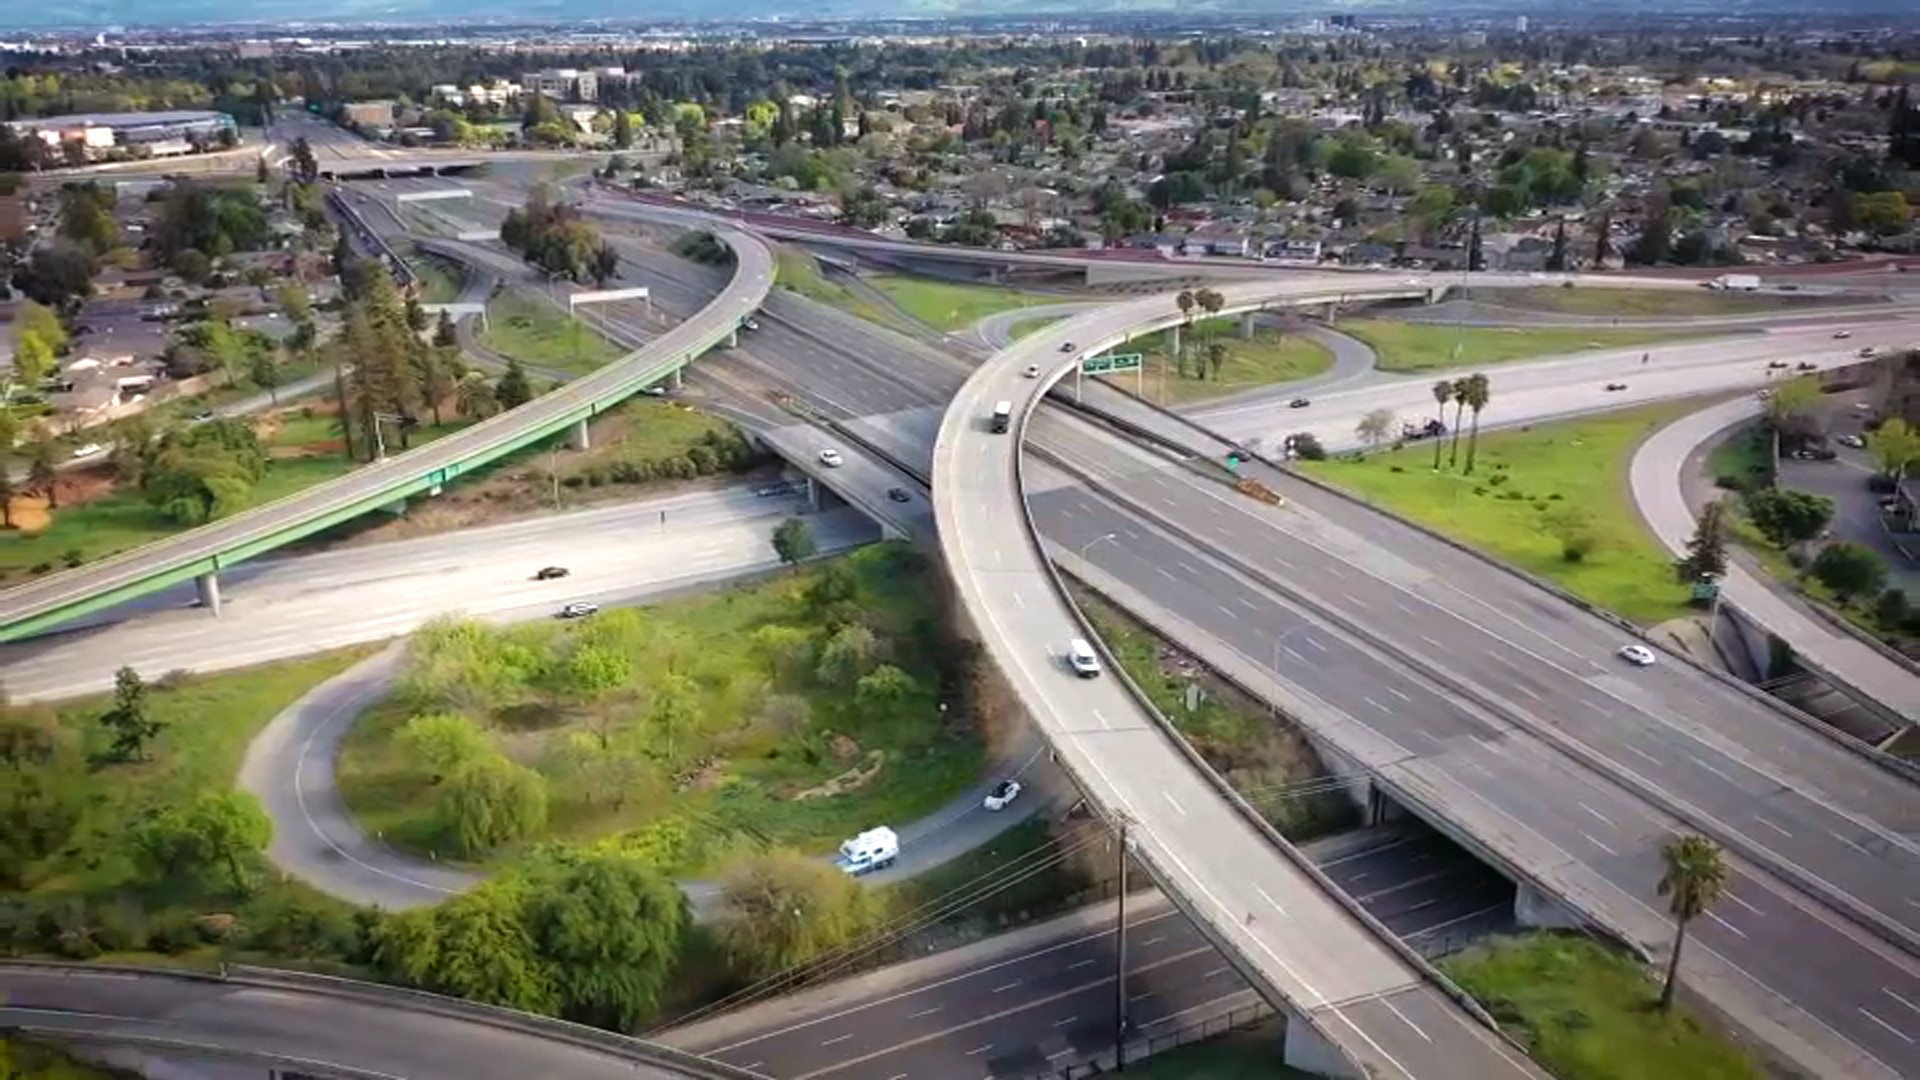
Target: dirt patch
pixel 852 780
pixel 75 487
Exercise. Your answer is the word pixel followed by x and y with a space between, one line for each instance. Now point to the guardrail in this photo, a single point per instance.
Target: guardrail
pixel 378 995
pixel 395 264
pixel 1139 1049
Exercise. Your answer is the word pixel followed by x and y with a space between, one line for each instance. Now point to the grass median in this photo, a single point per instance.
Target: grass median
pixel 1537 495
pixel 1269 357
pixel 532 331
pixel 1417 347
pixel 951 305
pixel 1590 1013
pixel 1648 303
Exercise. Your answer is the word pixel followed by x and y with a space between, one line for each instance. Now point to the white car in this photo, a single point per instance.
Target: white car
pixel 579 609
pixel 1842 335
pixel 831 459
pixel 1854 441
pixel 89 450
pixel 1003 793
pixel 1637 655
pixel 1033 371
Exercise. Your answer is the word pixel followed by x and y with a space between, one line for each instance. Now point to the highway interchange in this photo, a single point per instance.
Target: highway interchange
pixel 882 381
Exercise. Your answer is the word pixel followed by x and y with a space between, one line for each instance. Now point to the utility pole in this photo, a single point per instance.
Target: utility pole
pixel 1120 962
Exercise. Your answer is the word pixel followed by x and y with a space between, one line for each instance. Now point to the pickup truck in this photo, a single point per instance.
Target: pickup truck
pixel 874 849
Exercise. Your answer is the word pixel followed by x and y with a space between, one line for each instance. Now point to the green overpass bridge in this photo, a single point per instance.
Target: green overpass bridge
pixel 200 554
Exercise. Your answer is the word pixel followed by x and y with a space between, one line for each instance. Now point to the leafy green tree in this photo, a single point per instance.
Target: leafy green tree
pixel 1895 446
pixel 593 671
pixel 1375 426
pixel 475 946
pixel 475 398
pixel 130 726
pixel 847 656
pixel 1850 570
pixel 1694 876
pixel 1792 402
pixel 788 650
pixel 513 389
pixel 489 801
pixel 1891 609
pixel 1882 213
pixel 883 688
pixel 610 928
pixel 1706 557
pixel 783 908
pixel 622 129
pixel 218 828
pixel 263 369
pixel 1788 517
pixel 443 742
pixel 443 331
pixel 673 711
pixel 793 541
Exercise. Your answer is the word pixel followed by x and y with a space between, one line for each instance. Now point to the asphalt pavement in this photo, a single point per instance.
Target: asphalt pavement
pixel 282 607
pixel 1042 998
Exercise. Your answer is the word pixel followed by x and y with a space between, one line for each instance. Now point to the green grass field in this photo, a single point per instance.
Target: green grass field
pixel 949 305
pixel 1530 488
pixel 208 722
pixel 1588 1013
pixel 1644 303
pixel 800 272
pixel 732 779
pixel 533 331
pixel 1414 347
pixel 440 281
pixel 1270 357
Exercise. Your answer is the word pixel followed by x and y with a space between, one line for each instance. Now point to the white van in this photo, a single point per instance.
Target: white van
pixel 1002 416
pixel 874 849
pixel 1082 659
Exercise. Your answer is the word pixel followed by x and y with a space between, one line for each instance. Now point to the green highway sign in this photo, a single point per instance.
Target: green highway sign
pixel 1109 364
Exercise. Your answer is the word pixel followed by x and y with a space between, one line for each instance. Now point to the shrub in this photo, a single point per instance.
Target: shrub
pixel 72 558
pixel 1891 609
pixel 172 932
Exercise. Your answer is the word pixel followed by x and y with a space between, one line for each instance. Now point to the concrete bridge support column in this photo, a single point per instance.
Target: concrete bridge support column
pixel 1246 326
pixel 733 338
pixel 674 380
pixel 1333 313
pixel 208 585
pixel 580 439
pixel 1536 909
pixel 1173 340
pixel 1305 1049
pixel 816 495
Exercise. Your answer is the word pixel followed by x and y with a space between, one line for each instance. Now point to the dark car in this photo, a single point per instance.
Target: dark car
pixel 899 494
pixel 1806 365
pixel 1613 386
pixel 549 573
pixel 1775 365
pixel 1066 346
pixel 1298 403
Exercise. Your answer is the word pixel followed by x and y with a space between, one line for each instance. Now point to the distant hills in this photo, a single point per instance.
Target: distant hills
pixel 166 13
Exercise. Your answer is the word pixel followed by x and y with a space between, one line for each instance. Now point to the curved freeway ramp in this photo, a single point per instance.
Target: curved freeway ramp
pixel 38 605
pixel 1359 1004
pixel 321 1026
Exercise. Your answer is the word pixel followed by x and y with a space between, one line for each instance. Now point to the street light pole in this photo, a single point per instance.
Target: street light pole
pixel 1098 539
pixel 1120 961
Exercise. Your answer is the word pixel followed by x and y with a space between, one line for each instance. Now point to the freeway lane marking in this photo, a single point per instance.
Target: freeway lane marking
pixel 1589 839
pixel 1271 900
pixel 836 1039
pixel 935 1009
pixel 1404 1020
pixel 1003 989
pixel 1399 695
pixel 1178 809
pixel 1725 925
pixel 1068 1020
pixel 1901 1000
pixel 978 1050
pixel 1080 964
pixel 1603 818
pixel 1903 1035
pixel 1735 897
pixel 1772 826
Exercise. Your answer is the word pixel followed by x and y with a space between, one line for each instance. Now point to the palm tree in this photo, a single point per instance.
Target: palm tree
pixel 1442 393
pixel 1185 301
pixel 1479 392
pixel 1695 877
pixel 41 474
pixel 1459 407
pixel 1216 358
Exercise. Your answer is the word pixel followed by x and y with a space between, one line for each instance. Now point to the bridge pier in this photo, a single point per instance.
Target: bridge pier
pixel 1306 1049
pixel 1533 908
pixel 579 439
pixel 208 586
pixel 674 380
pixel 1246 326
pixel 733 338
pixel 1173 341
pixel 816 495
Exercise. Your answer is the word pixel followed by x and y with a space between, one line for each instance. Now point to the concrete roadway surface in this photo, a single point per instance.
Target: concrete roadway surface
pixel 1657 489
pixel 1369 1004
pixel 283 607
pixel 1042 998
pixel 1537 390
pixel 313 1033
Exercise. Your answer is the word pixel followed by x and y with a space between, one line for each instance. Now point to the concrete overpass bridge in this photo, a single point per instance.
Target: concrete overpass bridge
pixel 199 554
pixel 292 1024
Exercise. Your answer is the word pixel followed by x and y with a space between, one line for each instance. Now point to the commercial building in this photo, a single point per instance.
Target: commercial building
pixel 573 84
pixel 149 134
pixel 368 114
